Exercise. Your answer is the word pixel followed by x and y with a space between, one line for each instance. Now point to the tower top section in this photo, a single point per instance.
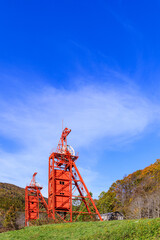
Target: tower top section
pixel 62 145
pixel 33 182
pixel 63 149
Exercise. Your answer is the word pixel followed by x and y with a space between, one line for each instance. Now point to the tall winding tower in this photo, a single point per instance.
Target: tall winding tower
pixel 68 196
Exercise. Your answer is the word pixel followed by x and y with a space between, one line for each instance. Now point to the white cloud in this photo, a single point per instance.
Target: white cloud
pixel 92 112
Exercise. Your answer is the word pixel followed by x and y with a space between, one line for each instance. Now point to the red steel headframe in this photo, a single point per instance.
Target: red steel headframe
pixel 34 201
pixel 68 196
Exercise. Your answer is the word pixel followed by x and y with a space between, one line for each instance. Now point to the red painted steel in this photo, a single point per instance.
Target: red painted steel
pixel 68 196
pixel 34 201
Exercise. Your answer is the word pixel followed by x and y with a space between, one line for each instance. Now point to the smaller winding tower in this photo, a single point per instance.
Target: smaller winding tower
pixel 34 201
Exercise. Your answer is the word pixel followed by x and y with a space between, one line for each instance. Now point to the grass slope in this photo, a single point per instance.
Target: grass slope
pixel 117 230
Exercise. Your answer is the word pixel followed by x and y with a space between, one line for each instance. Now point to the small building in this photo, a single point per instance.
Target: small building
pixel 112 216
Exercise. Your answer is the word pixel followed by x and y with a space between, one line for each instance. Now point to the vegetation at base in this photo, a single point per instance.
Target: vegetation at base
pixel 117 230
pixel 136 195
pixel 43 220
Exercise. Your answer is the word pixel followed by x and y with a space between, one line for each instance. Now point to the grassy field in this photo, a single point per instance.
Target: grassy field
pixel 117 230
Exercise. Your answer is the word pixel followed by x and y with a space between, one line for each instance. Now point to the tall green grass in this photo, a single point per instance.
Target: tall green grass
pixel 113 230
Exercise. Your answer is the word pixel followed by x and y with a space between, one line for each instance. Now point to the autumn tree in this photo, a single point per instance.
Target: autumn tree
pixel 136 195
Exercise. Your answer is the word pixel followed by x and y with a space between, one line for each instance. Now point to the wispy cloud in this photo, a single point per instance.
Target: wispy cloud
pixel 93 113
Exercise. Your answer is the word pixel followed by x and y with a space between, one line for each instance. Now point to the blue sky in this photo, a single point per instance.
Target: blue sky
pixel 94 64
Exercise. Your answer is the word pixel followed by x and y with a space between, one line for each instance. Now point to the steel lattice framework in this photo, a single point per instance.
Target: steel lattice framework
pixel 68 196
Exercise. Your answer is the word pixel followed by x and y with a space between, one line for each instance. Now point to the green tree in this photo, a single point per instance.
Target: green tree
pixel 10 218
pixel 107 201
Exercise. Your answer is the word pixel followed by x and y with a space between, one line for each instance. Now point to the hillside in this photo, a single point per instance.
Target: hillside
pixel 136 195
pixel 11 195
pixel 113 230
